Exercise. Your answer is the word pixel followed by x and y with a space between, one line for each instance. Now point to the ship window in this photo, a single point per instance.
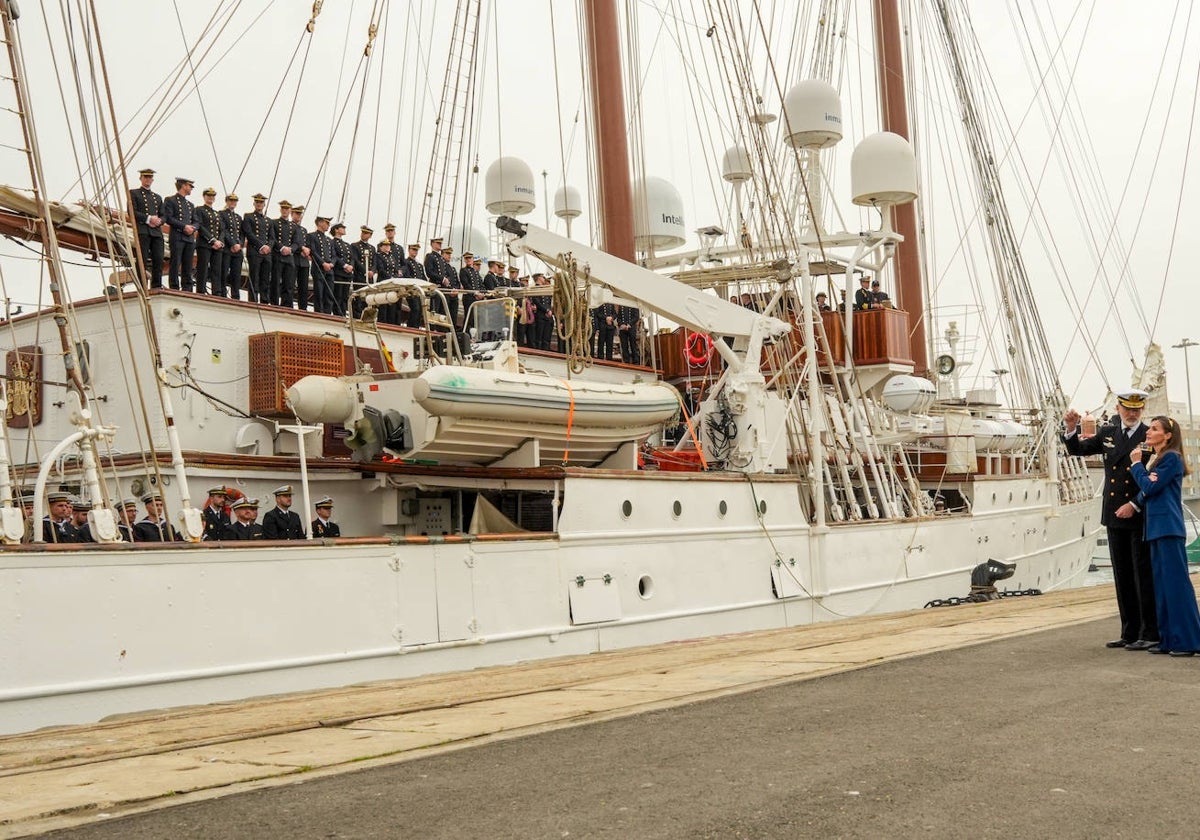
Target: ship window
pixel 645 586
pixel 677 508
pixel 723 508
pixel 762 507
pixel 626 508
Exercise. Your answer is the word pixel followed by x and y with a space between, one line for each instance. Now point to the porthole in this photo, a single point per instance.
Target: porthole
pixel 762 507
pixel 626 508
pixel 645 587
pixel 722 508
pixel 677 508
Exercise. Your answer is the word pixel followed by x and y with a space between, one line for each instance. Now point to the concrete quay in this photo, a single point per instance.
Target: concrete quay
pixel 97 774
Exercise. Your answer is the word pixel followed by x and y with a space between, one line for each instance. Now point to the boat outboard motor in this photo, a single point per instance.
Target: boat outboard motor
pixel 377 430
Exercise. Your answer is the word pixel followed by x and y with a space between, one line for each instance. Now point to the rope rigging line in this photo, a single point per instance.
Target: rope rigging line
pixel 305 35
pixel 364 67
pixel 196 86
pixel 378 111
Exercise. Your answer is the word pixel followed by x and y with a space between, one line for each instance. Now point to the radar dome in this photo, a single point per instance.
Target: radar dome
pixel 657 215
pixel 567 202
pixel 735 165
pixel 508 187
pixel 909 394
pixel 883 170
pixel 812 115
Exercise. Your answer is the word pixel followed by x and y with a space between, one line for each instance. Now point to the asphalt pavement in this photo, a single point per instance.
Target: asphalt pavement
pixel 1046 735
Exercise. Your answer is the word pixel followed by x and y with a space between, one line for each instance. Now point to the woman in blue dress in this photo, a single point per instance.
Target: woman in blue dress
pixel 1161 497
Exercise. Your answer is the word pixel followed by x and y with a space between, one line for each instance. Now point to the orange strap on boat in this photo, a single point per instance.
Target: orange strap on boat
pixel 570 419
pixel 691 430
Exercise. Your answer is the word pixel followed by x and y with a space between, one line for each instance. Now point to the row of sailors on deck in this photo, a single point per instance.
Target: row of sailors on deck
pixel 67 520
pixel 286 261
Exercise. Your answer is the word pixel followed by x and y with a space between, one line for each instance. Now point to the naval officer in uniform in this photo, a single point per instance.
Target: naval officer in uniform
pixel 1121 515
pixel 148 216
pixel 281 522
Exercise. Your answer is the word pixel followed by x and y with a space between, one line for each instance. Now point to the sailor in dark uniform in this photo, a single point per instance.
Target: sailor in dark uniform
pixel 208 243
pixel 153 527
pixel 604 319
pixel 283 269
pixel 494 279
pixel 216 520
pixel 343 270
pixel 411 267
pixel 147 215
pixel 322 526
pixel 320 246
pixel 282 523
pixel 301 258
pixel 79 520
pixel 628 320
pixel 257 229
pixel 1132 572
pixel 180 214
pixel 470 281
pixel 439 272
pixel 57 526
pixel 229 277
pixel 364 258
pixel 244 527
pixel 126 519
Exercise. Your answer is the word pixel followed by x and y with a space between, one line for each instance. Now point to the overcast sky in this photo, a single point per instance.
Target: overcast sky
pixel 1132 72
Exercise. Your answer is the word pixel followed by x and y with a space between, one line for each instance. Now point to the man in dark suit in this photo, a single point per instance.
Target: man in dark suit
pixel 180 214
pixel 1132 572
pixel 257 229
pixel 246 527
pixel 301 258
pixel 320 246
pixel 863 299
pixel 343 270
pixel 410 266
pixel 216 520
pixel 283 268
pixel 209 243
pixel 282 523
pixel 323 526
pixel 147 215
pixel 229 276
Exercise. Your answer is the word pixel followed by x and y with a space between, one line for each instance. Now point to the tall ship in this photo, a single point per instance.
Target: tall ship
pixel 763 461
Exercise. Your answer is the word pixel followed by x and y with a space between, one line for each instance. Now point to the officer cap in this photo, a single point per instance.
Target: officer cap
pixel 416 245
pixel 467 255
pixel 1133 398
pixel 210 191
pixel 218 490
pixel 386 242
pixel 447 250
pixel 128 502
pixel 366 230
pixel 259 197
pixel 496 263
pixel 513 269
pixel 324 219
pixel 339 226
pixel 179 182
pixel 324 502
pixel 436 239
pixel 149 172
pixel 57 496
pixel 285 205
pixel 389 226
pixel 231 197
pixel 297 208
pixel 80 504
pixel 285 490
pixel 152 496
pixel 245 503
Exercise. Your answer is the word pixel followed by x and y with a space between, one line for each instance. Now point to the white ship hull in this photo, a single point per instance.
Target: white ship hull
pixel 151 627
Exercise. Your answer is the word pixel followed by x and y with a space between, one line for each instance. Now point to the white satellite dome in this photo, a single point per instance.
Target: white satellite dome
pixel 813 115
pixel 567 202
pixel 735 165
pixel 657 215
pixel 508 187
pixel 883 170
pixel 463 239
pixel 909 394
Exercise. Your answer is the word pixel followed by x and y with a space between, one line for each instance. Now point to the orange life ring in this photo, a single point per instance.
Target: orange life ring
pixel 698 347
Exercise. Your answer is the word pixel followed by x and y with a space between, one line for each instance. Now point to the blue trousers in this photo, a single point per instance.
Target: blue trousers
pixel 1178 616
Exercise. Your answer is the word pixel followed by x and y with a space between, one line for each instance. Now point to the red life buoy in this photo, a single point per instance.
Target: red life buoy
pixel 698 348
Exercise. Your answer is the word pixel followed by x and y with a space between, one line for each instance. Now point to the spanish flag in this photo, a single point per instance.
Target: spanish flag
pixel 387 356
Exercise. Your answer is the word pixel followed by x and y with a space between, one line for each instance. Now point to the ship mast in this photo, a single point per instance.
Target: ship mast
pixel 608 128
pixel 894 106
